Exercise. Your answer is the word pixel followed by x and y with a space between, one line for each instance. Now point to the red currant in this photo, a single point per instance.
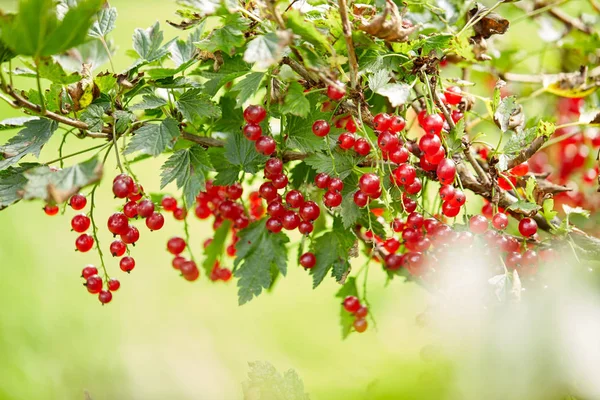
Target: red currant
pixel 254 114
pixel 346 140
pixel 361 199
pixel 84 243
pixel 332 199
pixel 387 141
pixel 113 284
pixel 169 203
pixel 105 296
pixel 130 209
pixel 399 155
pixel 520 170
pixel 362 147
pixel 527 227
pixel 449 211
pixel 294 198
pixel 88 271
pixel 145 208
pixel 433 124
pixel 446 170
pixel 478 224
pixel 382 122
pixel 127 264
pixel 308 260
pixel 50 209
pixel 93 284
pixel 265 145
pixel 274 166
pixel 78 202
pixel 322 180
pixel 351 304
pixel 398 123
pixel 305 227
pixel 405 174
pixel 500 221
pixel 453 95
pixel 309 211
pixel 80 223
pixel 458 199
pixel 131 235
pixel 280 181
pixel 369 184
pixel 430 144
pixel 336 92
pixel 117 248
pixel 274 225
pixel 360 325
pixel 321 128
pixel 176 245
pixel 118 223
pixel 392 245
pixel 252 131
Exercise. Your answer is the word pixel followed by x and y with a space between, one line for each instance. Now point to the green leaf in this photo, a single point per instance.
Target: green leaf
pixel 346 318
pixel 105 82
pixel 306 30
pixel 257 251
pixel 548 210
pixel 36 31
pixel 545 128
pixel 51 70
pixel 214 250
pixel 149 102
pixel 123 120
pixel 454 140
pixel 158 72
pixel 341 165
pixel 265 383
pixel 575 211
pixel 524 207
pixel 461 46
pixel 247 87
pixel 153 139
pixel 206 7
pixel 93 116
pixel 266 50
pixel 30 140
pixel 351 212
pixel 519 140
pixel 332 251
pixel 187 167
pixel 241 152
pixel 295 101
pixel 397 93
pixel 379 79
pixel 16 122
pixel 437 43
pixel 59 186
pixel 148 43
pixel 227 173
pixel 227 38
pixel 300 174
pixel 183 51
pixel 12 182
pixel 195 105
pixel 105 22
pixel 529 188
pixel 506 109
pixel 232 68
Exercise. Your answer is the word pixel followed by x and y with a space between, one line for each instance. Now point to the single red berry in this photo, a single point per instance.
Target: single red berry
pixel 397 225
pixel 176 245
pixel 399 155
pixel 118 223
pixel 332 199
pixel 274 225
pixel 361 199
pixel 394 261
pixel 290 220
pixel 274 166
pixel 231 250
pixel 351 126
pixel 411 234
pixel 449 211
pixel 446 170
pixel 504 181
pixel 527 227
pixel 93 284
pixel 84 243
pixel 436 158
pixel 398 123
pixel 336 185
pixel 155 221
pixel 265 145
pixel 80 223
pixel 478 224
pixel 241 222
pixel 177 261
pixel 105 296
pixel 136 193
pixel 113 284
pixel 117 248
pixel 306 227
pixel 336 92
pixel 346 140
pixel 252 131
pixel 234 192
pixel 127 264
pixel 500 221
pixel 169 203
pixel 122 187
pixel 179 213
pixel 254 114
pixel 387 141
pixel 430 224
pixel 369 183
pixel 224 274
pixel 88 271
pixel 308 260
pixel 322 180
pixel 415 220
pixel 433 124
pixel 392 245
pixel 456 116
pixel 405 174
pixel 78 202
pixel 131 235
pixel 453 95
pixel 309 211
pixel 50 209
pixel 280 181
pixel 382 122
pixel 202 211
pixel 362 147
pixel 362 312
pixel 321 128
pixel 276 209
pixel 360 325
pixel 520 170
pixel 446 192
pixel 458 199
pixel 514 260
pixel 415 187
pixel 145 208
pixel 267 191
pixel 130 209
pixel 294 198
pixel 351 304
pixel 430 144
pixel 189 270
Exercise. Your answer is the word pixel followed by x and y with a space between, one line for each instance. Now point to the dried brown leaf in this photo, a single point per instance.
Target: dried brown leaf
pixel 392 29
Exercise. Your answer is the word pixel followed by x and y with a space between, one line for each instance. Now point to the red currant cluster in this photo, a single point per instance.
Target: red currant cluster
pixel 254 115
pixel 188 268
pixel 219 273
pixel 169 204
pixel 94 284
pixel 80 223
pixel 353 306
pixel 224 202
pixel 332 197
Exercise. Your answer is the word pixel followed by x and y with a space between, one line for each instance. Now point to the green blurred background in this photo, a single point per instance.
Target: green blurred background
pixel 163 337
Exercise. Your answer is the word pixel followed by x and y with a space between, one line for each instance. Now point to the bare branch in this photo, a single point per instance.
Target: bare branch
pixel 347 29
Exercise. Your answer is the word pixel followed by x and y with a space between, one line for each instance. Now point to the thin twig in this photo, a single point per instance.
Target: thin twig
pixel 347 30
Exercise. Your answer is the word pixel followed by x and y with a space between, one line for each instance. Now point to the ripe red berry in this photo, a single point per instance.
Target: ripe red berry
pixel 267 191
pixel 145 208
pixel 309 211
pixel 504 181
pixel 84 243
pixel 190 271
pixel 392 245
pixel 50 209
pixel 362 312
pixel 224 274
pixel 113 284
pixel 252 131
pixel 450 211
pixel 179 213
pixel 88 271
pixel 446 192
pixel 430 144
pixel 169 203
pixel 294 198
pixel 361 199
pixel 458 199
pixel 127 264
pixel 346 140
pixel 520 170
pixel 433 124
pixel 80 223
pixel 118 223
pixel 275 209
pixel 409 204
pixel 405 174
pixel 387 141
pixel 436 158
pixel 397 225
pixel 336 185
pixel 478 224
pixel 453 95
pixel 456 116
pixel 254 114
pixel 117 248
pixel 177 261
pixel 382 122
pixel 305 227
pixel 308 260
pixel 274 225
pixel 136 193
pixel 351 304
pixel 130 209
pixel 500 221
pixel 93 284
pixel 322 180
pixel 399 155
pixel 78 202
pixel 131 235
pixel 336 92
pixel 332 199
pixel 398 123
pixel 290 220
pixel 446 170
pixel 362 147
pixel 369 184
pixel 176 245
pixel 202 211
pixel 122 187
pixel 527 227
pixel 280 181
pixel 155 221
pixel 513 260
pixel 415 187
pixel 415 220
pixel 360 325
pixel 274 166
pixel 105 296
pixel 321 128
pixel 265 145
pixel 430 224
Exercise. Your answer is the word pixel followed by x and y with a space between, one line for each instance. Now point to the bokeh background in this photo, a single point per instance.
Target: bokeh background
pixel 165 338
